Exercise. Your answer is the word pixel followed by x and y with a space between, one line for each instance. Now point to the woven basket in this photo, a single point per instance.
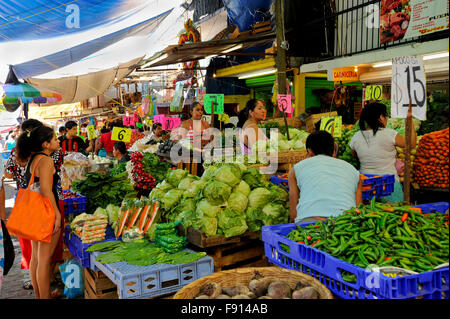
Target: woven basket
pixel 242 276
pixel 314 118
pixel 287 157
pixel 291 121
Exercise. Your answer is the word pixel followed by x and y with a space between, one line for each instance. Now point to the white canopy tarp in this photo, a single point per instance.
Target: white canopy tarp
pixel 78 88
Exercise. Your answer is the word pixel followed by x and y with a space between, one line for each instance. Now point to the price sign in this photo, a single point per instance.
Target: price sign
pixel 374 92
pixel 225 118
pixel 128 120
pixel 332 124
pixel 139 125
pixel 91 132
pixel 160 119
pixel 121 134
pixel 217 99
pixel 172 122
pixel 408 83
pixel 284 102
pixel 136 117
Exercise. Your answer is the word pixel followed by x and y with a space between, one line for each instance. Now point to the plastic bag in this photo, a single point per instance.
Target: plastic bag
pixel 132 234
pixel 73 278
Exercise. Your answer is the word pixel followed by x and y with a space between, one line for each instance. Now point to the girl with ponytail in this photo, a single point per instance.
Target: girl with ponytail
pixel 375 145
pixel 38 144
pixel 249 118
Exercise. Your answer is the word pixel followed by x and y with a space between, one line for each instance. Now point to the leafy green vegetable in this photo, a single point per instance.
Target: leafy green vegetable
pixel 216 192
pixel 273 214
pixel 231 222
pixel 186 182
pixel 242 188
pixel 195 189
pixel 259 197
pixel 171 198
pixel 175 176
pixel 229 174
pixel 205 208
pixel 238 202
pixel 254 178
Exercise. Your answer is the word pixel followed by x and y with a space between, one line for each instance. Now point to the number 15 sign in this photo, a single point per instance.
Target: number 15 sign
pixel 408 84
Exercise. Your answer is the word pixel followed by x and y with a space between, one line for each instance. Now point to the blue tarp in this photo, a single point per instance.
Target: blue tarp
pixel 39 19
pixel 60 59
pixel 245 13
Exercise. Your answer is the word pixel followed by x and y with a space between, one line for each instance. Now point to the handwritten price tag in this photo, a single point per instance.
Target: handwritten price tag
pixel 128 120
pixel 374 92
pixel 332 124
pixel 91 132
pixel 408 84
pixel 217 99
pixel 121 134
pixel 284 102
pixel 172 122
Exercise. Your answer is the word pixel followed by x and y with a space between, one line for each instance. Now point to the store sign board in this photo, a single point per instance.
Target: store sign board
pixel 409 19
pixel 217 99
pixel 332 124
pixel 374 93
pixel 345 75
pixel 90 132
pixel 121 134
pixel 408 84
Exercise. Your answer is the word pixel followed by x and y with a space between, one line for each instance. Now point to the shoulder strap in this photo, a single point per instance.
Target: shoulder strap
pixel 34 169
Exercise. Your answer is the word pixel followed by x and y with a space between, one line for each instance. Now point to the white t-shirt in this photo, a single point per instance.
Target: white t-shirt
pixel 376 153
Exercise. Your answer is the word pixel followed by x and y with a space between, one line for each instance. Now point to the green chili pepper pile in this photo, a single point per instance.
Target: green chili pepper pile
pixel 381 234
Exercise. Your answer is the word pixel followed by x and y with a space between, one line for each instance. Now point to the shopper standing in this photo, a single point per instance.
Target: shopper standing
pixel 70 142
pixel 375 146
pixel 249 118
pixel 38 145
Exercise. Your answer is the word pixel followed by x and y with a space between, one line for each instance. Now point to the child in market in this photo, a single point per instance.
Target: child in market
pixel 322 186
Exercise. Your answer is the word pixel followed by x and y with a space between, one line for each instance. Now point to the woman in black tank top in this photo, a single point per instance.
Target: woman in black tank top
pixel 38 144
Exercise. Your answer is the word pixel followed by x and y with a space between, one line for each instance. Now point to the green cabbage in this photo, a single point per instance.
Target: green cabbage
pixel 171 198
pixel 242 188
pixel 258 197
pixel 238 202
pixel 113 213
pixel 278 194
pixel 254 178
pixel 157 194
pixel 216 192
pixel 273 214
pixel 209 173
pixel 229 174
pixel 232 223
pixel 175 176
pixel 164 186
pixel 186 182
pixel 259 146
pixel 205 208
pixel 101 212
pixel 195 189
pixel 208 226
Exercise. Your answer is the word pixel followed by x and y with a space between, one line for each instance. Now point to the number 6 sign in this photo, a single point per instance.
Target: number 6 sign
pixel 121 134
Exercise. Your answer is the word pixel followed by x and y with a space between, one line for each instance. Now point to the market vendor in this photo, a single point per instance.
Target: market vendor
pixel 105 140
pixel 157 132
pixel 120 152
pixel 249 118
pixel 375 146
pixel 70 142
pixel 322 186
pixel 195 126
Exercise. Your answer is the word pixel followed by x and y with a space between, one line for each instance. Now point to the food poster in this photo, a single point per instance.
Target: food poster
pixel 403 19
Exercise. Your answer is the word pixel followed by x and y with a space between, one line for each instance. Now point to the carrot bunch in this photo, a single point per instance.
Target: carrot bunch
pixel 431 165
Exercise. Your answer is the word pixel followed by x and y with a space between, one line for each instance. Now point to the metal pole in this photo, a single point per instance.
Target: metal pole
pixel 281 55
pixel 407 174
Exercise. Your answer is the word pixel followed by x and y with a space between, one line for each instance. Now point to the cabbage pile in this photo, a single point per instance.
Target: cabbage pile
pixel 279 142
pixel 227 200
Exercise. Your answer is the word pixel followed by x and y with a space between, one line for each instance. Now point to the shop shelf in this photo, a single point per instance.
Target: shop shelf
pixel 134 282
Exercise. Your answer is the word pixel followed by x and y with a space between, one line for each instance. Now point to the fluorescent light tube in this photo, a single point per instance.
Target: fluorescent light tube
pixel 257 73
pixel 236 47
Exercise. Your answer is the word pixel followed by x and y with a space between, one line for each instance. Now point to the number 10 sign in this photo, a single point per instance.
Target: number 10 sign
pixel 408 84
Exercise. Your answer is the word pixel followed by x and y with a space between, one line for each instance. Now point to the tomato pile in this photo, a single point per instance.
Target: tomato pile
pixel 70 194
pixel 141 179
pixel 431 167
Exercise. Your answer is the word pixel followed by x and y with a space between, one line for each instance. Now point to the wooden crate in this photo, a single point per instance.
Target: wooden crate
pixel 246 253
pixel 314 118
pixel 199 239
pixel 98 286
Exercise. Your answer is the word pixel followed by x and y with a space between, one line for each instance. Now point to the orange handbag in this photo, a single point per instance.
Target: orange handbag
pixel 32 216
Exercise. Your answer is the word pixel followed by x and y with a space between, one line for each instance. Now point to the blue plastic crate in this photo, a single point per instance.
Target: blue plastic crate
pixel 78 249
pixel 440 207
pixel 5 155
pixel 328 269
pixel 74 205
pixel 134 282
pixel 279 181
pixel 381 186
pixel 368 194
